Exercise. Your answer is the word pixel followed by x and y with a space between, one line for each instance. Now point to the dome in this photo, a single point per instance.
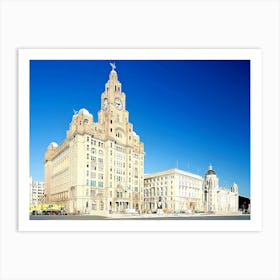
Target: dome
pixel 53 145
pixel 210 171
pixel 84 111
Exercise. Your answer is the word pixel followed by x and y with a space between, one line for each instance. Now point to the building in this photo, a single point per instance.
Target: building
pixel 99 167
pixel 172 190
pixel 36 191
pixel 176 190
pixel 217 199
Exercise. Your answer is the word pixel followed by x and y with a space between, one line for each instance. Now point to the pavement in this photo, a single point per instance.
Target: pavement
pixel 144 217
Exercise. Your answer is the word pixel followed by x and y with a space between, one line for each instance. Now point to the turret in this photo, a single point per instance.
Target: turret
pixel 211 179
pixel 82 122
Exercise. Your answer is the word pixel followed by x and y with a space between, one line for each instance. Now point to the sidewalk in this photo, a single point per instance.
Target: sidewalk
pixel 139 216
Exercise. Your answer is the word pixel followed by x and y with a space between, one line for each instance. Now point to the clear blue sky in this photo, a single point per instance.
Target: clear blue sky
pixel 191 112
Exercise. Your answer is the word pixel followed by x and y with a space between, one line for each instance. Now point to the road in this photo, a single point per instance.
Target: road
pixel 91 217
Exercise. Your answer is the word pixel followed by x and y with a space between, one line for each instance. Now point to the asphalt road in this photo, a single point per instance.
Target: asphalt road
pixel 90 217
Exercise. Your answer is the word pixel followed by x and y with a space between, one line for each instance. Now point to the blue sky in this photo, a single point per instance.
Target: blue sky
pixel 188 113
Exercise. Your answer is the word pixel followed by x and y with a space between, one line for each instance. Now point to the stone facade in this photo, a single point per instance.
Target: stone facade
pixel 176 190
pixel 217 199
pixel 172 190
pixel 99 167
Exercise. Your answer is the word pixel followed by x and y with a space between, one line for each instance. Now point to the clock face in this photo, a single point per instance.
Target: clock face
pixel 105 104
pixel 118 104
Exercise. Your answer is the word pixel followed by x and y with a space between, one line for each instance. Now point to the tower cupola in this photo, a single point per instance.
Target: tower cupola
pixel 210 171
pixel 113 74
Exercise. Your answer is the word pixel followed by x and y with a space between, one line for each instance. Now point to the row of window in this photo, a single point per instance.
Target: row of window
pixel 185 185
pixel 119 156
pixel 182 179
pixel 94 151
pixel 101 144
pixel 95 142
pixel 100 184
pixel 159 179
pixel 151 205
pixel 156 184
pixel 101 161
pixel 153 192
pixel 92 174
pixel 93 158
pixel 38 188
pixel 93 163
pixel 117 147
pixel 92 183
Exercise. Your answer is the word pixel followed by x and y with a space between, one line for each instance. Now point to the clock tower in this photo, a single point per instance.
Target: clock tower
pixel 125 152
pixel 99 167
pixel 113 116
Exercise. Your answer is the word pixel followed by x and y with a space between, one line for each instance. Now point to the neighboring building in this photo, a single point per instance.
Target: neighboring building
pixel 176 190
pixel 99 167
pixel 218 199
pixel 172 190
pixel 36 192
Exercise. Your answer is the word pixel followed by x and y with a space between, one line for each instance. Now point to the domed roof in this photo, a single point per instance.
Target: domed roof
pixel 84 111
pixel 53 145
pixel 210 171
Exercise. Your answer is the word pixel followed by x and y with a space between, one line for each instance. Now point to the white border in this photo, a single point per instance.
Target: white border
pixel 254 55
